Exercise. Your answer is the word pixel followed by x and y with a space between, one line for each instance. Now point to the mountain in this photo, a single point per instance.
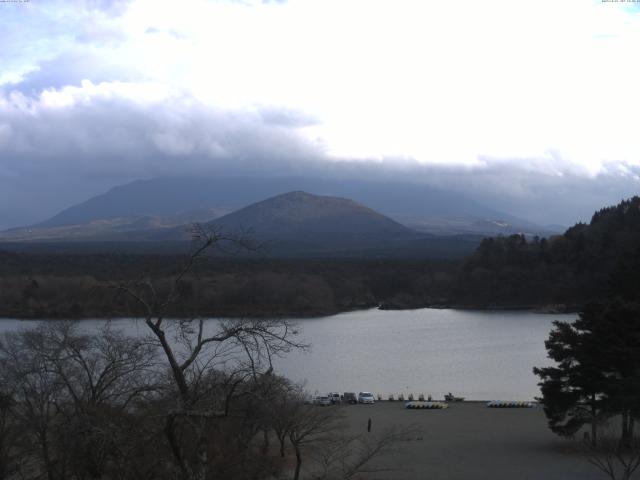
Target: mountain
pixel 299 224
pixel 294 224
pixel 313 222
pixel 312 216
pixel 420 207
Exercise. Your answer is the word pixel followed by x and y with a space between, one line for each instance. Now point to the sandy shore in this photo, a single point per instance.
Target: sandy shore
pixel 470 441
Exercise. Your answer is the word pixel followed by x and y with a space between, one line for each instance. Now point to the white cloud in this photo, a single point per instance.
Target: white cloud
pixel 439 82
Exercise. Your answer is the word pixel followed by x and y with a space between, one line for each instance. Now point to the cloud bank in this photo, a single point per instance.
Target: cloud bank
pixel 521 105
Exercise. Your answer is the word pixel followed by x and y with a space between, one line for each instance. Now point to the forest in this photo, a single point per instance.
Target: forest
pixel 560 273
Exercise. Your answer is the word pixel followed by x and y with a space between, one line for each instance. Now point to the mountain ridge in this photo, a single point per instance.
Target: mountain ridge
pixel 296 224
pixel 420 207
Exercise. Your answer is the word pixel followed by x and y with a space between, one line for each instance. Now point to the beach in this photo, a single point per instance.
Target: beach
pixel 470 441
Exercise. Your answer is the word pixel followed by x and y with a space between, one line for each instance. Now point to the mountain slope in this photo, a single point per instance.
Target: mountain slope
pixel 302 217
pixel 111 228
pixel 418 206
pixel 295 224
pixel 299 224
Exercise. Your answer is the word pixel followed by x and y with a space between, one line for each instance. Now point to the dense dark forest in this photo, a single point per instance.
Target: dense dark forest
pixel 557 273
pixel 588 261
pixel 79 286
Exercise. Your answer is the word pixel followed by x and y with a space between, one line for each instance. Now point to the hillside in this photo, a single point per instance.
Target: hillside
pixel 295 224
pixel 321 221
pixel 586 262
pixel 111 228
pixel 299 224
pixel 420 207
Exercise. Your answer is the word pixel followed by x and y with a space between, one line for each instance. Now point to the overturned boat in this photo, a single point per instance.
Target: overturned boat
pixel 426 405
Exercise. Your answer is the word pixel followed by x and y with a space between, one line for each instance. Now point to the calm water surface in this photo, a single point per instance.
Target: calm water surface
pixel 477 354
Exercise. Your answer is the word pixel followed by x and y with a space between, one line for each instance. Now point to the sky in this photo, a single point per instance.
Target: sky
pixel 532 107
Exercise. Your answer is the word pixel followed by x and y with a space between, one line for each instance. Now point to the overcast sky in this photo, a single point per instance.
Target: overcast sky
pixel 532 105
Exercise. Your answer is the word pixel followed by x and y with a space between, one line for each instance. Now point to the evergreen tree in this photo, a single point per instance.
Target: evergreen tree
pixel 573 392
pixel 598 369
pixel 616 326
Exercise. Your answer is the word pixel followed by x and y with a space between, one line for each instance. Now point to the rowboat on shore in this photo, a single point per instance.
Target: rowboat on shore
pixel 450 398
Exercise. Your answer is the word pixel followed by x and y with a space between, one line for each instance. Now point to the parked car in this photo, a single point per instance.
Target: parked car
pixel 349 397
pixel 322 400
pixel 334 397
pixel 366 397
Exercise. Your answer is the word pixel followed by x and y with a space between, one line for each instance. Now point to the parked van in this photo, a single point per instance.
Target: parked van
pixel 350 398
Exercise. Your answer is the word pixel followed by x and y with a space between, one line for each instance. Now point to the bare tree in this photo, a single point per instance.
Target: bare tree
pixel 9 434
pixel 192 348
pixel 333 453
pixel 282 411
pixel 615 457
pixel 345 456
pixel 311 424
pixel 71 394
pixel 37 391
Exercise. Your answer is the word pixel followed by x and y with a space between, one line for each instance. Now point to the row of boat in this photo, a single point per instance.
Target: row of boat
pixel 492 404
pixel 502 404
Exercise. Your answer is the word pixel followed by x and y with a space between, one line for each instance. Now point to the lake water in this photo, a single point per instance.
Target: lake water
pixel 477 354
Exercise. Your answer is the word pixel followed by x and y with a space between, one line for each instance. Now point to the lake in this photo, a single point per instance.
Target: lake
pixel 481 355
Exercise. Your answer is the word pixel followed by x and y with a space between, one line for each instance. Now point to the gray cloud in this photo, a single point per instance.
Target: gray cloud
pixel 110 139
pixel 53 156
pixel 105 135
pixel 286 117
pixel 62 146
pixel 523 188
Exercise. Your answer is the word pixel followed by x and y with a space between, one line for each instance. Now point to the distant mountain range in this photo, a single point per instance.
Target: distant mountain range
pixel 293 224
pixel 162 209
pixel 418 206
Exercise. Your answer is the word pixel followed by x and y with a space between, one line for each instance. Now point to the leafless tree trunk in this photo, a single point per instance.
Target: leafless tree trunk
pixel 347 456
pixel 9 434
pixel 296 447
pixel 193 350
pixel 311 424
pixel 616 457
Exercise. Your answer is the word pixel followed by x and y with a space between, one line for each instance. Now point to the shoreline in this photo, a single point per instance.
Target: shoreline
pixel 538 309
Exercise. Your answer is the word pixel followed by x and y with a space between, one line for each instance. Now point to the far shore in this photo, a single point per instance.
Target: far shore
pixel 541 309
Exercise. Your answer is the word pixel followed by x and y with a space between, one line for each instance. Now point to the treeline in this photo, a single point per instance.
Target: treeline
pixel 560 272
pixel 588 261
pixel 79 286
